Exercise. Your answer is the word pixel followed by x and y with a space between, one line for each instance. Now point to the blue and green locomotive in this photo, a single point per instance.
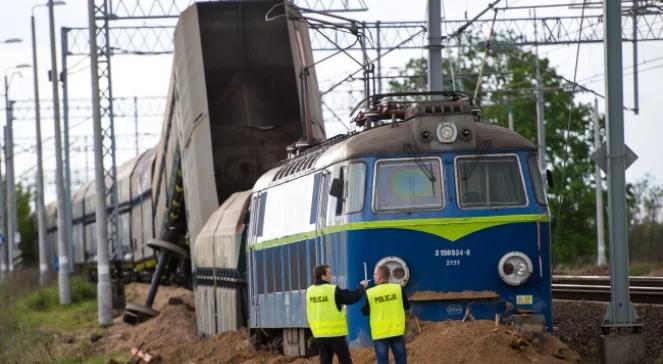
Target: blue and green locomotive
pixel 455 207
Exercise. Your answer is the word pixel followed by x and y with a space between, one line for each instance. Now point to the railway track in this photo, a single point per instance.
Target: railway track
pixel 597 288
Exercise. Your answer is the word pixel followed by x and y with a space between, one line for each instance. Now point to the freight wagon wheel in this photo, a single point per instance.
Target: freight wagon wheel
pixel 134 307
pixel 135 313
pixel 168 246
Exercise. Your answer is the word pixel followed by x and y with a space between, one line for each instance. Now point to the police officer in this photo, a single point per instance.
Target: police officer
pixel 326 314
pixel 385 305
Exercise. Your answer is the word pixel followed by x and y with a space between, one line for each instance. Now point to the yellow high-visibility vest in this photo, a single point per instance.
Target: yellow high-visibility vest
pixel 323 316
pixel 387 313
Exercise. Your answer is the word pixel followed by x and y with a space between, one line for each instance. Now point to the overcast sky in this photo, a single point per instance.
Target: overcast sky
pixel 149 76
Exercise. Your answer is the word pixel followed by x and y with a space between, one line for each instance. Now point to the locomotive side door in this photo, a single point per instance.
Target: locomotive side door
pixel 323 197
pixel 255 266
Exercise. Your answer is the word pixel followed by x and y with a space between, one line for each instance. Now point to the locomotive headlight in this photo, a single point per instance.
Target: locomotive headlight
pixel 400 273
pixel 447 132
pixel 515 268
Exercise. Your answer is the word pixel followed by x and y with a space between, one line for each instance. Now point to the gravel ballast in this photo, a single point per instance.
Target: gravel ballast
pixel 578 323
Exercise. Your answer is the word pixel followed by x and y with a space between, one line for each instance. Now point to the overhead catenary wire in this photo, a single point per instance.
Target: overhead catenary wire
pixel 452 72
pixel 558 5
pixel 336 116
pixel 485 56
pixel 566 137
pixel 599 76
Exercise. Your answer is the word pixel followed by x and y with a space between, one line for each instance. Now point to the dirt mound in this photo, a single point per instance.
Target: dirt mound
pixel 137 292
pixel 175 325
pixel 172 336
pixel 482 342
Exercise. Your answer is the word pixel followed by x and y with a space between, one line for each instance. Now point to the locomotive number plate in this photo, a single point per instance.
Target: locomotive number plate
pixel 527 299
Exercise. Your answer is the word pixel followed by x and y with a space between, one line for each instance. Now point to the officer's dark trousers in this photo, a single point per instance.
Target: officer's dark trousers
pixel 328 346
pixel 397 345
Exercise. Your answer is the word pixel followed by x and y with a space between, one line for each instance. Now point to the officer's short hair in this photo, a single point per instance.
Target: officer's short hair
pixel 320 271
pixel 384 271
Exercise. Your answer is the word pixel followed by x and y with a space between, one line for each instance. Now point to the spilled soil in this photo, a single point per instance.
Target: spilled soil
pixel 172 337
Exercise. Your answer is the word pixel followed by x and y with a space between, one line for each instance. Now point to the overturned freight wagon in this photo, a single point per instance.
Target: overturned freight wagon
pixel 241 91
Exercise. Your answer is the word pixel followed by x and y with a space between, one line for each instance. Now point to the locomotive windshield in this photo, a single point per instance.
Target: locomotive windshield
pixel 489 181
pixel 402 184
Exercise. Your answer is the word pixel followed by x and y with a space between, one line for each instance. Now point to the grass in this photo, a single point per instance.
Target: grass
pixel 643 269
pixel 31 320
pixel 41 309
pixel 94 358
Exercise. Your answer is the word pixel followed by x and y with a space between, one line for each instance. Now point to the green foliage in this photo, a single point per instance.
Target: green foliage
pixel 27 319
pixel 645 243
pixel 509 85
pixel 42 300
pixel 27 225
pixel 41 308
pixel 643 269
pixel 414 77
pixel 82 290
pixel 48 298
pixel 15 335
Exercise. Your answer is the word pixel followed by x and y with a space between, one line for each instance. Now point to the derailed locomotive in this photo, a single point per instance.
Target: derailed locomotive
pixel 454 207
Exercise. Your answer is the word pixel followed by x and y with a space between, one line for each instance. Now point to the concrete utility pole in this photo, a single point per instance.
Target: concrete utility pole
pixel 12 224
pixel 540 109
pixel 3 226
pixel 634 19
pixel 136 124
pixel 39 178
pixel 621 342
pixel 510 117
pixel 600 233
pixel 63 261
pixel 434 45
pixel 103 270
pixel 67 161
pixel 378 50
pixel 4 248
pixel 87 161
pixel 11 187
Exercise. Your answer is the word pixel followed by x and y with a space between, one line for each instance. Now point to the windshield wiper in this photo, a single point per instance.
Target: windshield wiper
pixel 482 149
pixel 429 173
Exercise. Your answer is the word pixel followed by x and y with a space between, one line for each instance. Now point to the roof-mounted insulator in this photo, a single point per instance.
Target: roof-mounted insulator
pixel 386 106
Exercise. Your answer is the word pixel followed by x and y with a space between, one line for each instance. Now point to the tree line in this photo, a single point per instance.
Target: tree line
pixel 509 85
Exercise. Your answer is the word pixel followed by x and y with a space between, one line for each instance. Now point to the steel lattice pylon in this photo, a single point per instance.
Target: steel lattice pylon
pixel 105 92
pixel 402 35
pixel 155 9
pixel 80 108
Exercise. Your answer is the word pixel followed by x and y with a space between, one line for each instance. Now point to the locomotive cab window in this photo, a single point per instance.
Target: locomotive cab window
pixel 350 188
pixel 489 182
pixel 356 184
pixel 408 184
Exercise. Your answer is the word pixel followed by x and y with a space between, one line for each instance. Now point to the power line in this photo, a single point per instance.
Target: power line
pixel 566 141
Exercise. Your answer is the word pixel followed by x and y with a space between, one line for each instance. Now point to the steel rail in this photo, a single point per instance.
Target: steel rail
pixel 597 288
